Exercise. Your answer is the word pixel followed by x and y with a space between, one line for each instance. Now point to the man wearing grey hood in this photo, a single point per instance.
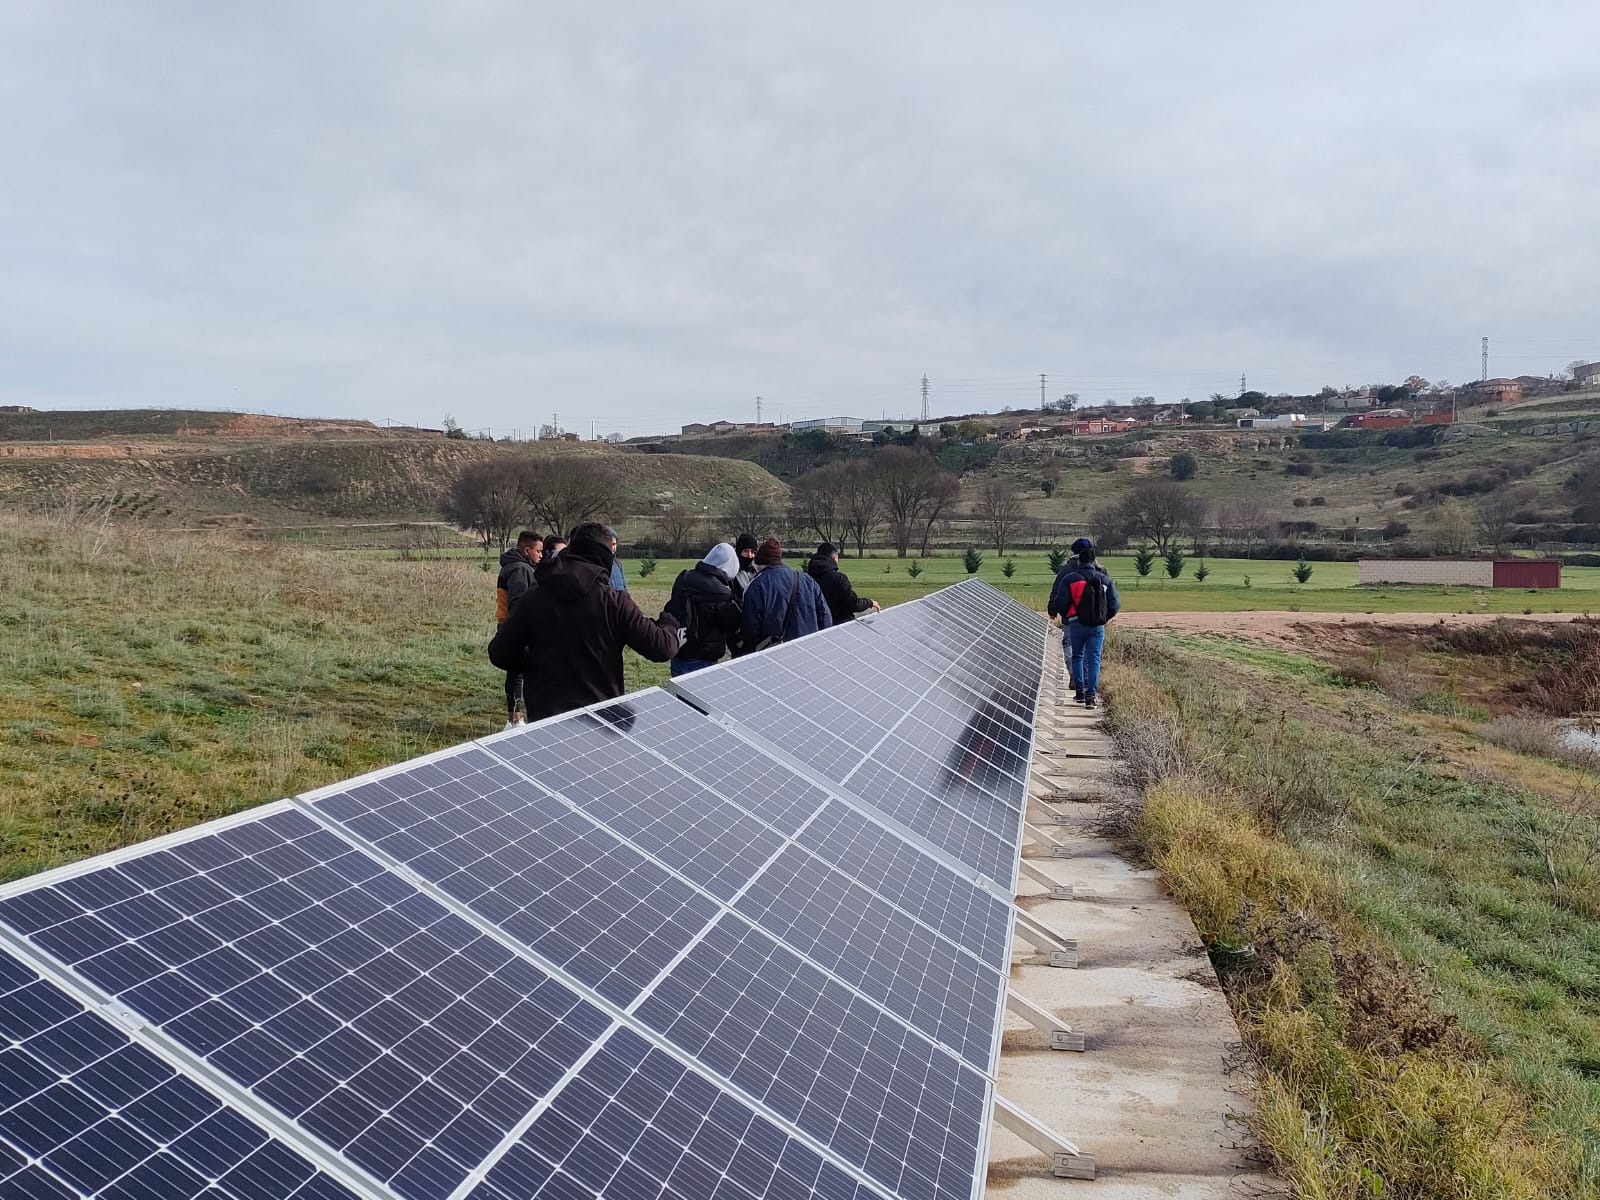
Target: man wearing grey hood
pixel 704 605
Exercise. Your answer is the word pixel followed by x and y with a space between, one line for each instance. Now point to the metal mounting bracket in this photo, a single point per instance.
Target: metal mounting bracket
pixel 1061 1035
pixel 1057 849
pixel 1062 952
pixel 1043 814
pixel 1066 1160
pixel 1058 891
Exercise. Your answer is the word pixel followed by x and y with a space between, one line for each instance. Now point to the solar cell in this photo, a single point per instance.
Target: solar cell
pixel 853 1077
pixel 329 988
pixel 635 1124
pixel 525 861
pixel 85 1111
pixel 864 940
pixel 934 894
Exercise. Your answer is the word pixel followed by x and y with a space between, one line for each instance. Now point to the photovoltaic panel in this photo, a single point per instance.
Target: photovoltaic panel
pixel 84 1111
pixel 635 1124
pixel 525 861
pixel 329 988
pixel 864 940
pixel 868 852
pixel 644 958
pixel 848 1074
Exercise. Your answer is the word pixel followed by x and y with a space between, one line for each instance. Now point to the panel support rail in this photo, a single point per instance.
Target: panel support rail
pixel 1057 849
pixel 1062 1036
pixel 1058 891
pixel 1066 1160
pixel 1062 952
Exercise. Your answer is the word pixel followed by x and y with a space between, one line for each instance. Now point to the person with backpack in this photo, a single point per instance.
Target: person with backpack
pixel 843 603
pixel 1086 600
pixel 518 575
pixel 703 603
pixel 781 603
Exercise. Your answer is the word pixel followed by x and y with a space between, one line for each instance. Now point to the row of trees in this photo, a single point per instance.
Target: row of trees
pixel 496 498
pixel 904 492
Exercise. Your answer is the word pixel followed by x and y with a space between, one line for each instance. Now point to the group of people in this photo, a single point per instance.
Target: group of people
pixel 563 614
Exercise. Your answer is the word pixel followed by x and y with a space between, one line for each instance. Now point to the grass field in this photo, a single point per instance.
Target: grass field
pixel 1331 588
pixel 1407 919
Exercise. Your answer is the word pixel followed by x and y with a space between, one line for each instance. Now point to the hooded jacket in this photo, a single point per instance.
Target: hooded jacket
pixel 703 603
pixel 516 576
pixel 1069 586
pixel 843 603
pixel 768 611
pixel 567 634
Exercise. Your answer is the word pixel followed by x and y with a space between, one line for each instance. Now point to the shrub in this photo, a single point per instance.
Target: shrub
pixel 1201 572
pixel 914 569
pixel 1058 556
pixel 1302 571
pixel 1318 501
pixel 1143 559
pixel 1395 529
pixel 972 560
pixel 1183 466
pixel 1009 568
pixel 1403 489
pixel 647 567
pixel 1299 501
pixel 1174 563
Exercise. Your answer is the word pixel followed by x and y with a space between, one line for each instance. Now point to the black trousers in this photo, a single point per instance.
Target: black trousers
pixel 514 699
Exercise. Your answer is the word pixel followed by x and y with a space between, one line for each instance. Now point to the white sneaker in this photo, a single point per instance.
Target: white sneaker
pixel 514 723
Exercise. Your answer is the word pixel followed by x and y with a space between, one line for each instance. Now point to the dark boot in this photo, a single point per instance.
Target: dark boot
pixel 1089 702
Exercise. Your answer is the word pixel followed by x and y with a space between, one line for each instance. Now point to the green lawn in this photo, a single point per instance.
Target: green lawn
pixel 1331 588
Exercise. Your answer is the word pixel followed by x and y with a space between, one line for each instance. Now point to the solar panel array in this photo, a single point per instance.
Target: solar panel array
pixel 636 951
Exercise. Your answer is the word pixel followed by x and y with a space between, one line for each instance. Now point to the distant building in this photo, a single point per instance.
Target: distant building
pixel 1237 413
pixel 714 428
pixel 1354 402
pixel 1102 425
pixel 831 425
pixel 1463 572
pixel 1381 418
pixel 1587 375
pixel 1498 389
pixel 1282 421
pixel 15 408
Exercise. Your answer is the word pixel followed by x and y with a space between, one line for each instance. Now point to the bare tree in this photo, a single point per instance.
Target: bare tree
pixel 999 508
pixel 754 514
pixel 487 498
pixel 676 526
pixel 1453 527
pixel 565 489
pixel 1160 511
pixel 946 491
pixel 1495 513
pixel 1245 522
pixel 910 481
pixel 816 504
pixel 863 504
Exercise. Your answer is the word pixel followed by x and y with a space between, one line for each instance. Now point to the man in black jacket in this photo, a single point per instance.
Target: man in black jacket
pixel 569 631
pixel 704 604
pixel 843 603
pixel 518 574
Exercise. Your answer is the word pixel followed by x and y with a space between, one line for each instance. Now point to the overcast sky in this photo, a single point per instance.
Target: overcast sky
pixel 639 214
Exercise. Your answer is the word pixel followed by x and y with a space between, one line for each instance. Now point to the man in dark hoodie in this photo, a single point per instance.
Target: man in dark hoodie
pixel 843 603
pixel 517 577
pixel 1085 599
pixel 569 631
pixel 745 548
pixel 703 603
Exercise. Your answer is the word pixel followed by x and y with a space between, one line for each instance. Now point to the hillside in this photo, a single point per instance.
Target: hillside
pixel 306 480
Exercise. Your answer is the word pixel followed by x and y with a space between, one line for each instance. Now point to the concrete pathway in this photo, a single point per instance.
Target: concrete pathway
pixel 1149 1098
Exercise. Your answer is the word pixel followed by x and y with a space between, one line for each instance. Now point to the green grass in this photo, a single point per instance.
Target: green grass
pixel 1332 587
pixel 1329 828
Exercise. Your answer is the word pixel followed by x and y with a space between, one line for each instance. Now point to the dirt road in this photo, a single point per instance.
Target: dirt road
pixel 1295 628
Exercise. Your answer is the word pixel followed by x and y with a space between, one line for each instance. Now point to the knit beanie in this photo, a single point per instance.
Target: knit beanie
pixel 747 541
pixel 769 553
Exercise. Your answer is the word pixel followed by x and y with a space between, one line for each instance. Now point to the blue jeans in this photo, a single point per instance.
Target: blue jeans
pixel 1084 643
pixel 682 666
